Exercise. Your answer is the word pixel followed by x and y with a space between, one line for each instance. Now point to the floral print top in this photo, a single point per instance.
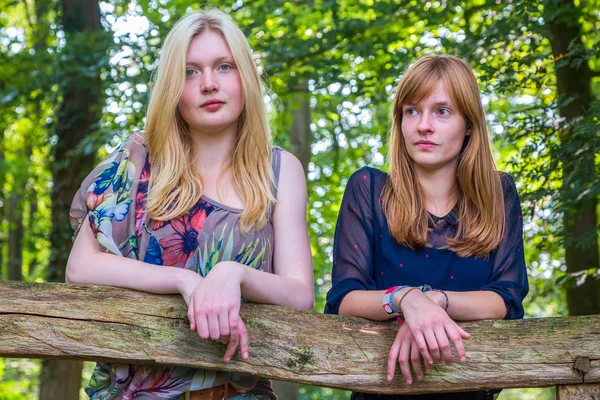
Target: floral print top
pixel 113 197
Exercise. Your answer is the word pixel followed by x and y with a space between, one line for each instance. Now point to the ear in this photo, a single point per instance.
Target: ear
pixel 469 128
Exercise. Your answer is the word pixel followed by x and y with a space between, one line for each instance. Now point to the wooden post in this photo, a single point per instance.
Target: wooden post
pixel 101 323
pixel 589 391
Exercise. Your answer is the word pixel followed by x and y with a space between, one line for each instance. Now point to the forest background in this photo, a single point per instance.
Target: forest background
pixel 74 81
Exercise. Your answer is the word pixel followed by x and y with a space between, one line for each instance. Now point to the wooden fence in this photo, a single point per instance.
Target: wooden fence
pixel 100 323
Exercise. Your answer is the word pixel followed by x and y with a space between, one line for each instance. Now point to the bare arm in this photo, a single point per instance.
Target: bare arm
pixel 292 283
pixel 89 264
pixel 463 306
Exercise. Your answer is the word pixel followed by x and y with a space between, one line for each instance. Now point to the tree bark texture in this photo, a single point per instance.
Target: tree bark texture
pixel 578 392
pixel 44 320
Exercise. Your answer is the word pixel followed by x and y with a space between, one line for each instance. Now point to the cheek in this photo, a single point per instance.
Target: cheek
pixel 187 97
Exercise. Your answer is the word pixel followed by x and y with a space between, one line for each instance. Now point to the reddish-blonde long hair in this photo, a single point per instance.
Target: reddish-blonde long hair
pixel 481 199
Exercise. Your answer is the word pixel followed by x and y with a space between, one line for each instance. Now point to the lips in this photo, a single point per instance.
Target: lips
pixel 426 145
pixel 211 102
pixel 426 142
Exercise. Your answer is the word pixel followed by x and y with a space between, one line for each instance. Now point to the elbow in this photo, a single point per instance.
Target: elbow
pixel 308 304
pixel 72 274
pixel 75 272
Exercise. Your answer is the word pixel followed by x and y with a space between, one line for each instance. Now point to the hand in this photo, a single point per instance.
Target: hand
pixel 431 327
pixel 405 348
pixel 214 308
pixel 437 297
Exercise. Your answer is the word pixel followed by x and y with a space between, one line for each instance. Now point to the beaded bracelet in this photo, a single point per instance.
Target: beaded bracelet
pixel 425 288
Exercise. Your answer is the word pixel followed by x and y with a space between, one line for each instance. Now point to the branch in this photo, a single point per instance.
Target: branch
pixel 101 323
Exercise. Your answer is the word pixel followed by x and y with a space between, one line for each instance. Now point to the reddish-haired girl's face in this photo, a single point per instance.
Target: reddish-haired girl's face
pixel 434 130
pixel 212 98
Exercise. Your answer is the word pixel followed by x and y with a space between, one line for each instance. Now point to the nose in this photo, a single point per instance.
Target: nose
pixel 209 83
pixel 425 126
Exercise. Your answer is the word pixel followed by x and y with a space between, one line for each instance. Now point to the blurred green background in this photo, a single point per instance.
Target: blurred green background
pixel 74 81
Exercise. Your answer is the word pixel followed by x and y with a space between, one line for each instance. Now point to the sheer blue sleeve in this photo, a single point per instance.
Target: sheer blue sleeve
pixel 509 273
pixel 354 242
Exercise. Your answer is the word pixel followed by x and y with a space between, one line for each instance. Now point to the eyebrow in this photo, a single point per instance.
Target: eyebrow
pixel 443 103
pixel 216 61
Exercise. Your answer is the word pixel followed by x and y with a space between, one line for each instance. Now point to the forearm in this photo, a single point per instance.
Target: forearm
pixel 475 305
pixel 261 287
pixel 111 270
pixel 463 306
pixel 365 304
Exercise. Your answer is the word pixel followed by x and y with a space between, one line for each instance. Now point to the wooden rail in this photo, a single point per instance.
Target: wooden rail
pixel 45 320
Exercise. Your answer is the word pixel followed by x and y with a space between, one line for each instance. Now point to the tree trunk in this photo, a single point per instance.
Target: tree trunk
pixel 34 233
pixel 2 197
pixel 300 140
pixel 79 113
pixel 15 234
pixel 574 96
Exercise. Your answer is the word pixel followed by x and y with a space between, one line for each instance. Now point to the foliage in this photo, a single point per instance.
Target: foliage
pixel 351 53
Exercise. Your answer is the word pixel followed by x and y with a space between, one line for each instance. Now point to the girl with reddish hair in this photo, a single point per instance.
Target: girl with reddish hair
pixel 438 238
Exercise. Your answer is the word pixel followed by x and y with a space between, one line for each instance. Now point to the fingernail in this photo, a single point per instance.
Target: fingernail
pixel 409 382
pixel 389 377
pixel 430 361
pixel 463 359
pixel 245 355
pixel 419 377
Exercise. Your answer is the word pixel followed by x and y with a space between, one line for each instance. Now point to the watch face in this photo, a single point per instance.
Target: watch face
pixel 388 309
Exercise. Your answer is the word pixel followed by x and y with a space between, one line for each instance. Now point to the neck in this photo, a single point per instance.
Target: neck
pixel 440 188
pixel 213 150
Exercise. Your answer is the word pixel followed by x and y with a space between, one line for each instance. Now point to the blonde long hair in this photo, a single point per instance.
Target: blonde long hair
pixel 174 185
pixel 481 216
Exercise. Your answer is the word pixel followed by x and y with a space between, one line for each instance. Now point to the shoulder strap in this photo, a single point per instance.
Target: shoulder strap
pixel 276 165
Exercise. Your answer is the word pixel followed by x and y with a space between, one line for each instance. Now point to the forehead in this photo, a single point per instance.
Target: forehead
pixel 206 47
pixel 436 93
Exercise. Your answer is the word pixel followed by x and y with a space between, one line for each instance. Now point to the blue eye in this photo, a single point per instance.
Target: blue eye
pixel 189 72
pixel 224 67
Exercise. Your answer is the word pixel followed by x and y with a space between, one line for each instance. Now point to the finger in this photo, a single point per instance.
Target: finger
pixel 432 345
pixel 422 344
pixel 224 322
pixel 213 327
pixel 190 314
pixel 234 318
pixel 224 326
pixel 231 348
pixel 442 339
pixel 243 340
pixel 393 357
pixel 415 358
pixel 403 359
pixel 463 333
pixel 456 339
pixel 201 325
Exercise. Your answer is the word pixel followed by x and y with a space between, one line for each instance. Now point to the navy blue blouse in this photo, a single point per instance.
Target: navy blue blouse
pixel 366 257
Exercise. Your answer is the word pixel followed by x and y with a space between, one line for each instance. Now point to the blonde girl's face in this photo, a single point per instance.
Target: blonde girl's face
pixel 212 99
pixel 434 130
